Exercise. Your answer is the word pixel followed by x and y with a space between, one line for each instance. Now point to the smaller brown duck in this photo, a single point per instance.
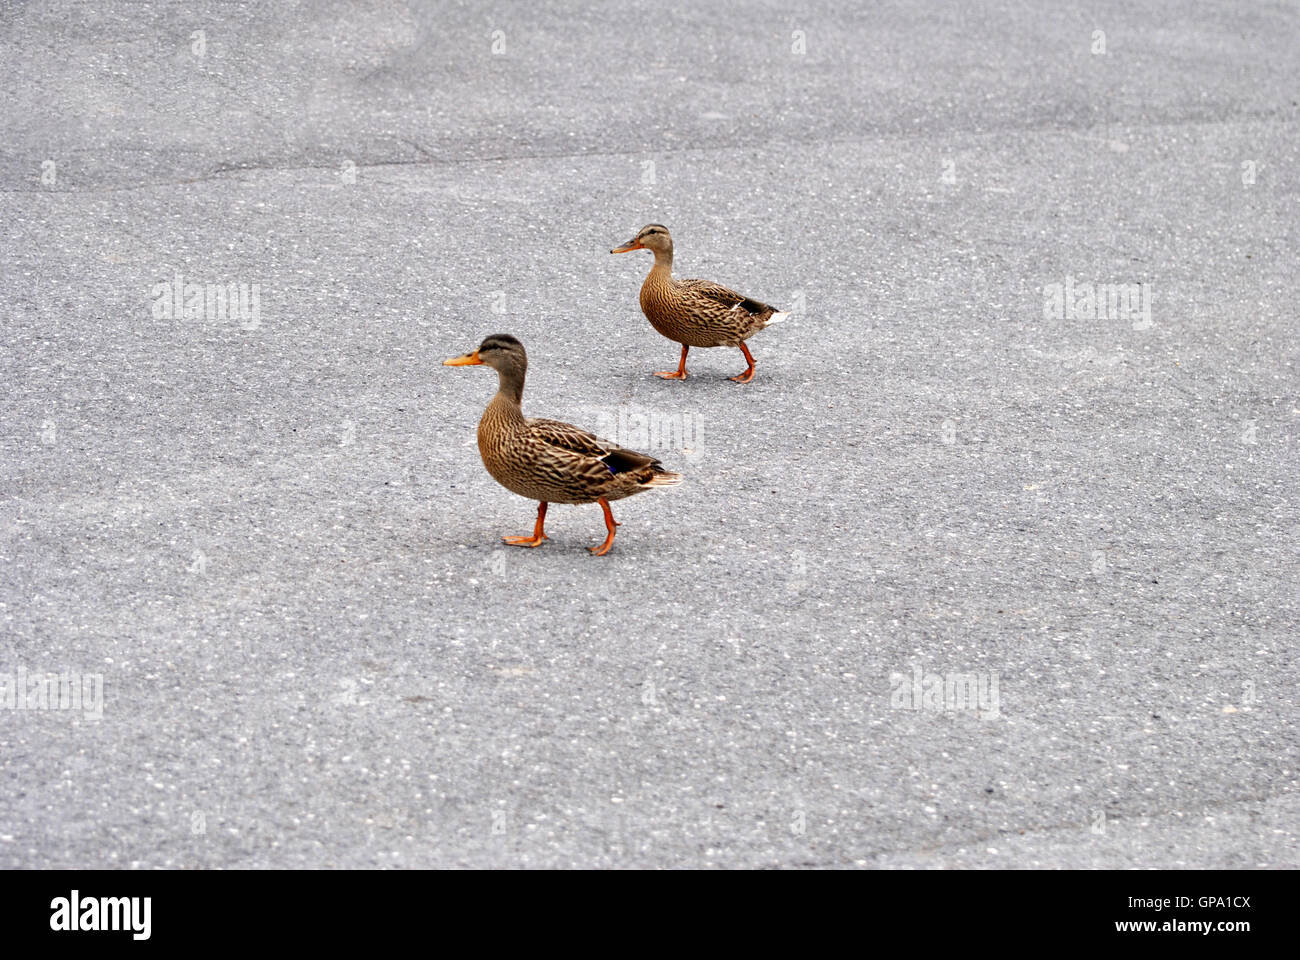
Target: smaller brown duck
pixel 548 460
pixel 695 313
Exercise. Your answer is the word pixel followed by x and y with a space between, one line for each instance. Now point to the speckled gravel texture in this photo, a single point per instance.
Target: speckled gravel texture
pixel 273 539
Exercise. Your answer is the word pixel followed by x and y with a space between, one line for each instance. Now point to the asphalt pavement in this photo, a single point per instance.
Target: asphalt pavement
pixel 994 564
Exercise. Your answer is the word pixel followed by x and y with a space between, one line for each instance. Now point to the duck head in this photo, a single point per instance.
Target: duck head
pixel 501 352
pixel 653 236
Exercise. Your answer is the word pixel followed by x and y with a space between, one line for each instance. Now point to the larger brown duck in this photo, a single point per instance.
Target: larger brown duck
pixel 547 460
pixel 695 313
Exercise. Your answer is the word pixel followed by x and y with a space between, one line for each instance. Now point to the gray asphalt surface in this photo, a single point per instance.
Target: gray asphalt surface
pixel 274 542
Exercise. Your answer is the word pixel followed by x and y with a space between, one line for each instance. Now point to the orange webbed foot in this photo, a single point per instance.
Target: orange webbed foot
pixel 680 372
pixel 536 539
pixel 525 541
pixel 748 375
pixel 610 525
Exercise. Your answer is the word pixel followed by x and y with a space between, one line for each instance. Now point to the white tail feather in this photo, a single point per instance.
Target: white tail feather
pixel 664 480
pixel 778 317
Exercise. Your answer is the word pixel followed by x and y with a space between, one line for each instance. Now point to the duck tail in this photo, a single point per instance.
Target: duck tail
pixel 664 479
pixel 777 317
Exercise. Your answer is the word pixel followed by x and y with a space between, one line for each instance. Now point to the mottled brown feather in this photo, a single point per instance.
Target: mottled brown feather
pixel 557 462
pixel 697 313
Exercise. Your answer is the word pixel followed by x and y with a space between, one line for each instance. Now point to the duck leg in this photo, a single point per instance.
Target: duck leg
pixel 748 375
pixel 610 523
pixel 536 539
pixel 680 373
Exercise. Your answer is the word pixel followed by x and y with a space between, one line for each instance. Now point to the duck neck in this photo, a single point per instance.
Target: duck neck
pixel 507 404
pixel 660 277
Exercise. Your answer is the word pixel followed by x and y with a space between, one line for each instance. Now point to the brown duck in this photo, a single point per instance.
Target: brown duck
pixel 547 460
pixel 695 313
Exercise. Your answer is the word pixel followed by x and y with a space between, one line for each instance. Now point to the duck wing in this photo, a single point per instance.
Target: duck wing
pixel 585 448
pixel 724 296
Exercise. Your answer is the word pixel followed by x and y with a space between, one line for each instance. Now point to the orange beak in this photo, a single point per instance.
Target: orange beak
pixel 630 245
pixel 468 360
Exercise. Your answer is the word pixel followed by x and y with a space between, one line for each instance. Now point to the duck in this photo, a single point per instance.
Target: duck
pixel 548 460
pixel 696 313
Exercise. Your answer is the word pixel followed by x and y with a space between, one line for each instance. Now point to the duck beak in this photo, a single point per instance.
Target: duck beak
pixel 468 360
pixel 630 245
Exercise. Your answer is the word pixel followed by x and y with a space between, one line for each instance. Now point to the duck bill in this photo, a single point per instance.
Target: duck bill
pixel 630 245
pixel 468 360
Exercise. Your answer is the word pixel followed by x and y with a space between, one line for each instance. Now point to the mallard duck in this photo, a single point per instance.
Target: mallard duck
pixel 695 313
pixel 547 460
